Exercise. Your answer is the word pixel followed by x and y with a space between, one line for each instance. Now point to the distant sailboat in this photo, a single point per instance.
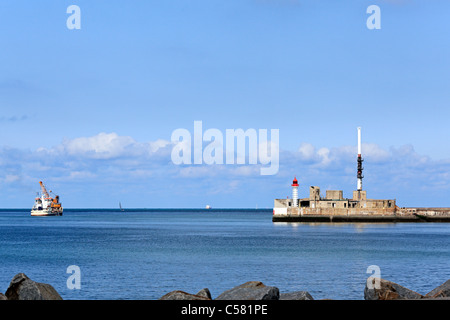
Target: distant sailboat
pixel 120 206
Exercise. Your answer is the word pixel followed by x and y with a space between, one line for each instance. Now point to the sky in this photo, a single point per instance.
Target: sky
pixel 91 111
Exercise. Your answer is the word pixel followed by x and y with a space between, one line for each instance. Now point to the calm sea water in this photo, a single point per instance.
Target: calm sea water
pixel 143 254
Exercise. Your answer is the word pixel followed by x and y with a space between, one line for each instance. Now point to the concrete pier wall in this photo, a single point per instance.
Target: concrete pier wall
pixel 363 215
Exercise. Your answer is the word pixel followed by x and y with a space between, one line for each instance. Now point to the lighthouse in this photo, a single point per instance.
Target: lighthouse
pixel 295 192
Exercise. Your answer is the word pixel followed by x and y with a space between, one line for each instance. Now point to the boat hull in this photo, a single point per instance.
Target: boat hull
pixel 44 213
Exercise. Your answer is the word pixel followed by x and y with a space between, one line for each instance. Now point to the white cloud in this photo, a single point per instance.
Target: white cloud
pixel 158 144
pixel 106 146
pixel 101 146
pixel 396 169
pixel 325 157
pixel 307 151
pixel 81 175
pixel 108 160
pixel 11 178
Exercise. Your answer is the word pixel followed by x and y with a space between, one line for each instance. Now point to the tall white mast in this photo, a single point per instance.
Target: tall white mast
pixel 359 161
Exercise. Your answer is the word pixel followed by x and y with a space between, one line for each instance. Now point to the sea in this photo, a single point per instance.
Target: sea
pixel 142 254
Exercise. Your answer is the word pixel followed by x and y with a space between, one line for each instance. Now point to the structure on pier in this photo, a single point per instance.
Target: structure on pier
pixel 335 207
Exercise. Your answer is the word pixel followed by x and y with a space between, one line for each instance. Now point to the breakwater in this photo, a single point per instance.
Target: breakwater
pixel 360 215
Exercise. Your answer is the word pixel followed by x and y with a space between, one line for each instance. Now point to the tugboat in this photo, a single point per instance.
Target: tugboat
pixel 45 205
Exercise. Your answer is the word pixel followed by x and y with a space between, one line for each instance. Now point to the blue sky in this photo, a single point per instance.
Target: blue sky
pixel 91 111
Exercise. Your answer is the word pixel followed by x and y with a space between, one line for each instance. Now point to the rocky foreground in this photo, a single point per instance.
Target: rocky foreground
pixel 255 290
pixel 23 288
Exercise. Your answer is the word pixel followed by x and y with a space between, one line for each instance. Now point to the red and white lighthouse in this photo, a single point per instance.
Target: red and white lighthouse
pixel 295 192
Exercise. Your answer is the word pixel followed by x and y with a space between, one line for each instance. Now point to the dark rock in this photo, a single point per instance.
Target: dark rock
pixel 388 291
pixel 3 297
pixel 181 295
pixel 443 291
pixel 23 288
pixel 252 290
pixel 204 293
pixel 296 295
